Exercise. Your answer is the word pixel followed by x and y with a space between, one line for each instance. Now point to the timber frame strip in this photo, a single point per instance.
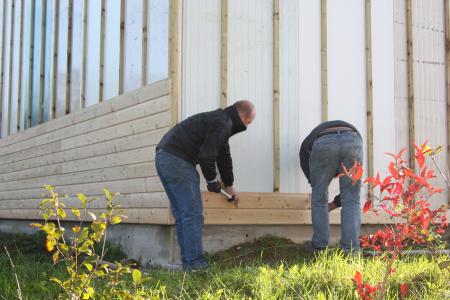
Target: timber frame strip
pixel 55 59
pixel 144 42
pixel 122 45
pixel 102 51
pixel 224 54
pixel 369 87
pixel 11 48
pixel 410 72
pixel 42 63
pixel 324 60
pixel 447 77
pixel 276 95
pixel 2 60
pixel 175 48
pixel 19 104
pixel 83 55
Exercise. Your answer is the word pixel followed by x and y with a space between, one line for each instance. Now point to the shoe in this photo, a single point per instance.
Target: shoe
pixel 309 247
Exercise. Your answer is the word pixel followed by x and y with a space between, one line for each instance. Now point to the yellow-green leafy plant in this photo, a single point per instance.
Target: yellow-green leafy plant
pixel 76 248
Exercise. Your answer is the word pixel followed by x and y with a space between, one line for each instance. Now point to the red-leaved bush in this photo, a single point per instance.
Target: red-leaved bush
pixel 404 196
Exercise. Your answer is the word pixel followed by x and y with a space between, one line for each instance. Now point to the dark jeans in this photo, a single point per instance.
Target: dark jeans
pixel 182 184
pixel 328 152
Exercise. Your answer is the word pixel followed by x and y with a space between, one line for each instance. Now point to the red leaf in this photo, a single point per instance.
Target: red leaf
pixel 367 206
pixel 393 170
pixel 358 278
pixel 404 290
pixel 420 158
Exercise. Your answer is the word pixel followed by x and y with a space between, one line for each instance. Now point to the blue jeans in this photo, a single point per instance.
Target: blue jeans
pixel 182 185
pixel 328 152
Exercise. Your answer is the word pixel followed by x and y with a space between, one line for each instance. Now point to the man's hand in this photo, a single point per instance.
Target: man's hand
pixel 213 186
pixel 331 206
pixel 230 190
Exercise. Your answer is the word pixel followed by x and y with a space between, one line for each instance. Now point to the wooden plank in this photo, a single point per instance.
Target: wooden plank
pixel 54 83
pixel 102 51
pixel 84 55
pixel 149 108
pixel 136 141
pixel 410 74
pixel 369 89
pixel 137 200
pixel 224 55
pixel 144 168
pixel 134 215
pixel 19 105
pixel 42 63
pixel 447 78
pixel 122 46
pixel 147 93
pixel 139 185
pixel 69 56
pixel 11 43
pixel 276 96
pixel 144 42
pixel 175 48
pixel 259 200
pixel 324 58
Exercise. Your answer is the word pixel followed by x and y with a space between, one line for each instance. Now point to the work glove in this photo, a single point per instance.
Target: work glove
pixel 337 200
pixel 213 186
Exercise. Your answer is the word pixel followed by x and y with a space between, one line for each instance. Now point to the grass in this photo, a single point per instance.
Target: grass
pixel 269 268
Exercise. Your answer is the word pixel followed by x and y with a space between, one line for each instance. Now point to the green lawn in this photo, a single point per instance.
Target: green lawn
pixel 267 269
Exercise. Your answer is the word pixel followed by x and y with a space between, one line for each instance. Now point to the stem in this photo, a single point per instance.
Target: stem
pixel 382 290
pixel 19 292
pixel 447 181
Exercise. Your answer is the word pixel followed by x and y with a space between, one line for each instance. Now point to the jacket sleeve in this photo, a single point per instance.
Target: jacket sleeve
pixel 209 150
pixel 225 165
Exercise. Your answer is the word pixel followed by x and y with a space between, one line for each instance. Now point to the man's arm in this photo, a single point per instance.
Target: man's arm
pixel 209 151
pixel 225 165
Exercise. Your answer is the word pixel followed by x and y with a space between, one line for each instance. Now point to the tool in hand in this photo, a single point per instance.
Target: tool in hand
pixel 230 198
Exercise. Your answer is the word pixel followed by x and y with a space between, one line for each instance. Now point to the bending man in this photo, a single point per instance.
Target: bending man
pixel 201 139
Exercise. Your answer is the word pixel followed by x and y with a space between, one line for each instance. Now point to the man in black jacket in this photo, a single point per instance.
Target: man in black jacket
pixel 322 154
pixel 201 139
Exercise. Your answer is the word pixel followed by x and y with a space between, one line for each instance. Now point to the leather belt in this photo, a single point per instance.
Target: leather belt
pixel 335 129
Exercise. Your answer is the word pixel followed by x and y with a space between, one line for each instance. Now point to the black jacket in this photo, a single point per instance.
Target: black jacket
pixel 305 149
pixel 203 139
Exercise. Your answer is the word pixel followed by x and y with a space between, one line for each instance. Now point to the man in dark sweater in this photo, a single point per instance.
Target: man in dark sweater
pixel 201 139
pixel 322 154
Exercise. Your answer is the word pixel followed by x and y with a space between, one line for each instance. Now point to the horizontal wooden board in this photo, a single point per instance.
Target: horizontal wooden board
pixel 135 141
pixel 134 215
pixel 259 200
pixel 143 94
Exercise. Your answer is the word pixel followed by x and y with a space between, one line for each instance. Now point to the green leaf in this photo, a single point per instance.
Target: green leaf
pixel 444 264
pixel 36 225
pixel 76 212
pixel 116 220
pixel 88 266
pixel 108 194
pixel 76 229
pixel 55 256
pixel 137 276
pixel 83 199
pixel 62 213
pixel 45 201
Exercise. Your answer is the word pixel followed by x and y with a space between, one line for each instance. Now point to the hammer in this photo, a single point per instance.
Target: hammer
pixel 229 197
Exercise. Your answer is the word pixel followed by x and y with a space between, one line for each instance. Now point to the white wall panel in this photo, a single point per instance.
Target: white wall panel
pixel 133 45
pixel 250 77
pixel 158 39
pixel 201 56
pixel 112 49
pixel 6 66
pixel 48 61
pixel 290 109
pixel 25 92
pixel 93 53
pixel 429 80
pixel 15 69
pixel 62 59
pixel 346 67
pixel 383 63
pixel 77 56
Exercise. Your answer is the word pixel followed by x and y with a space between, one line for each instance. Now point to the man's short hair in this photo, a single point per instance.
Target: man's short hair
pixel 245 107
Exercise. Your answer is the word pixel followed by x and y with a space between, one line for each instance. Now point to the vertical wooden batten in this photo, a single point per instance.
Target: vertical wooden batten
pixel 2 78
pixel 19 104
pixel 42 63
pixel 369 86
pixel 84 54
pixel 11 45
pixel 410 72
pixel 30 75
pixel 175 46
pixel 224 54
pixel 447 78
pixel 276 95
pixel 122 45
pixel 144 42
pixel 102 51
pixel 55 60
pixel 69 56
pixel 324 60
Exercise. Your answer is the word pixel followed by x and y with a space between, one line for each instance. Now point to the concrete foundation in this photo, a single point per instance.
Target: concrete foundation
pixel 156 244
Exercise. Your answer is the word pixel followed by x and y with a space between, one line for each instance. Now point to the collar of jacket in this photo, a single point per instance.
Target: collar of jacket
pixel 238 125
